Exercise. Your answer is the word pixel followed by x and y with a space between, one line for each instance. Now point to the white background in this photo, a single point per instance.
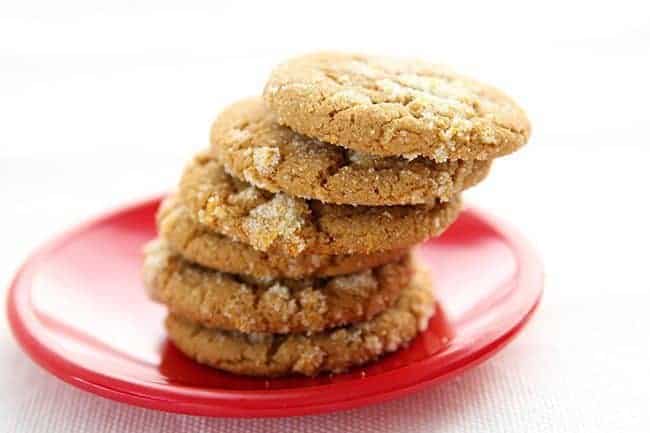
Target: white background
pixel 103 104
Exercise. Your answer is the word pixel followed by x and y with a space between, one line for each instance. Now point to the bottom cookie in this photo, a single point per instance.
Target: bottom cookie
pixel 330 351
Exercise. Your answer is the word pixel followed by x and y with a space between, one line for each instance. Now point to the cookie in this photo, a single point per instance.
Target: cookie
pixel 201 245
pixel 330 351
pixel 388 107
pixel 253 147
pixel 247 304
pixel 277 222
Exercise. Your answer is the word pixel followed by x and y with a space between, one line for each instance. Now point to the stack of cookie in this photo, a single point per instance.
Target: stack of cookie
pixel 286 247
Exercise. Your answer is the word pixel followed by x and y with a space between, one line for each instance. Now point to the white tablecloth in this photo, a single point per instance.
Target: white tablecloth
pixel 102 106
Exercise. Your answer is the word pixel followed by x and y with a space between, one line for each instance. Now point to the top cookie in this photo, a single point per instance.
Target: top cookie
pixel 252 146
pixel 387 107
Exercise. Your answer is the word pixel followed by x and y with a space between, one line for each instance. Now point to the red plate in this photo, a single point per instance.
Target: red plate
pixel 79 310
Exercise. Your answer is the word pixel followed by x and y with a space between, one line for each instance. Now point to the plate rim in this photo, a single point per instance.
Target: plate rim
pixel 246 403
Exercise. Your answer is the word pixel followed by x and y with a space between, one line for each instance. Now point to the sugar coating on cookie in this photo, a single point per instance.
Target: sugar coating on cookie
pixel 334 350
pixel 248 304
pixel 390 106
pixel 277 222
pixel 250 144
pixel 206 247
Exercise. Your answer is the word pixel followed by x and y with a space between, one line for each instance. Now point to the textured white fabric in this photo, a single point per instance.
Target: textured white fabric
pixel 99 107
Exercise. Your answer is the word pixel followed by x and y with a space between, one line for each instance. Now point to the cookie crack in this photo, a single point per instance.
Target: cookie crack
pixel 316 222
pixel 405 100
pixel 273 348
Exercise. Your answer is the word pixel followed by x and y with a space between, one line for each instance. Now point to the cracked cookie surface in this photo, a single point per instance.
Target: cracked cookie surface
pixel 247 304
pixel 250 144
pixel 387 107
pixel 206 247
pixel 277 222
pixel 333 350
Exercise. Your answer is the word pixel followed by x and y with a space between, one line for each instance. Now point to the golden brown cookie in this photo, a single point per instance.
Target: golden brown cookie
pixel 206 247
pixel 329 351
pixel 281 223
pixel 390 107
pixel 247 304
pixel 253 147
